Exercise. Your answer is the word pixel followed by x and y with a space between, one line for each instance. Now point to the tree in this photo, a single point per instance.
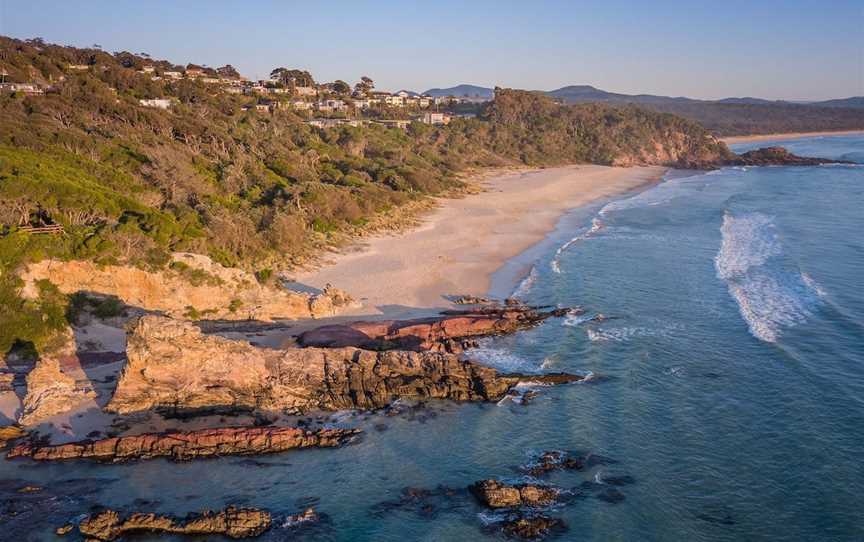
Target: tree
pixel 364 85
pixel 297 78
pixel 341 87
pixel 228 71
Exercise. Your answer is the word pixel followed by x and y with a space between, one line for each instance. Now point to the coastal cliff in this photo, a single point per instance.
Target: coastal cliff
pixel 193 284
pixel 173 365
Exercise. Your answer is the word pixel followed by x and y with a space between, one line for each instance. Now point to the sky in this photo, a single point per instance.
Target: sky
pixel 792 49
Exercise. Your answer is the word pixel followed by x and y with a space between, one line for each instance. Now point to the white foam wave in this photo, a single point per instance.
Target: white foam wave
pixel 769 296
pixel 497 358
pixel 526 283
pixel 596 225
pixel 623 334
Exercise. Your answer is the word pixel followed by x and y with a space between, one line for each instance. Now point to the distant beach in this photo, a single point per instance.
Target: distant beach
pixel 463 241
pixel 787 135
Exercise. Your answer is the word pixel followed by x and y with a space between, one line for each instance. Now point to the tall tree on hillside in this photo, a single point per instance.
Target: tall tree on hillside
pixel 341 87
pixel 365 85
pixel 228 71
pixel 297 78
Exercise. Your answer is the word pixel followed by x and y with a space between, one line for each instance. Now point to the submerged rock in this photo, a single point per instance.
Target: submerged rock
pixel 554 460
pixel 531 527
pixel 452 331
pixel 173 365
pixel 232 522
pixel 495 494
pixel 188 445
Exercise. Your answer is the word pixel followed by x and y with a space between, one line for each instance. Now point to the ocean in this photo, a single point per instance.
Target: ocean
pixel 726 389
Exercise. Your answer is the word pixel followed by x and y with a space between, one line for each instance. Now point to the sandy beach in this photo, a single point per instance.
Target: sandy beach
pixel 787 135
pixel 462 242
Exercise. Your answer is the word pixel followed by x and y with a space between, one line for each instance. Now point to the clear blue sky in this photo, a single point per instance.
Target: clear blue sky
pixel 793 49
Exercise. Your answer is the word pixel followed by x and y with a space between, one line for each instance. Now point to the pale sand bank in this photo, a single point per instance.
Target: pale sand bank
pixel 787 135
pixel 463 241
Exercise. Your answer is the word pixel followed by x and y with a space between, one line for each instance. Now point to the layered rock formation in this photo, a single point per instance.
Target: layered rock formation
pixel 231 522
pixel 195 284
pixel 188 445
pixel 50 389
pixel 451 332
pixel 173 365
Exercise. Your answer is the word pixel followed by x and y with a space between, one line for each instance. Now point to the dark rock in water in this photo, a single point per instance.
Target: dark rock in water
pixel 778 156
pixel 594 460
pixel 426 503
pixel 23 514
pixel 472 300
pixel 189 445
pixel 553 460
pixel 532 527
pixel 231 522
pixel 495 494
pixel 611 495
pixel 446 333
pixel 624 480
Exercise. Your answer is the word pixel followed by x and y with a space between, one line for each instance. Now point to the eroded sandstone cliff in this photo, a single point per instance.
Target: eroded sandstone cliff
pixel 193 285
pixel 173 365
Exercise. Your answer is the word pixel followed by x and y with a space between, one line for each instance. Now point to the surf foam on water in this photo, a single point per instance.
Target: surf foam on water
pixel 526 284
pixel 770 295
pixel 596 225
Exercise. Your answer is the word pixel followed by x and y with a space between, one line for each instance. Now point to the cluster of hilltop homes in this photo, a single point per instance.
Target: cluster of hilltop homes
pixel 333 107
pixel 322 99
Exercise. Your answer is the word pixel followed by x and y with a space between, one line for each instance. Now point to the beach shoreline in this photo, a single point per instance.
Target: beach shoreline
pixel 457 247
pixel 786 135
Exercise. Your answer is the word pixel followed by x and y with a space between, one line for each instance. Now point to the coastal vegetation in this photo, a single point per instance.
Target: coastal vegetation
pixel 127 184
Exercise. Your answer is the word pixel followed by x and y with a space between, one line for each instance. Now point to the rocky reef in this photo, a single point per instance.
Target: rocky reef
pixel 192 284
pixel 778 156
pixel 231 522
pixel 188 445
pixel 495 494
pixel 452 331
pixel 173 365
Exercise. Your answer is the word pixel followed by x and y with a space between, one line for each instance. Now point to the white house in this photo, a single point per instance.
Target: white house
pixel 160 103
pixel 305 91
pixel 436 118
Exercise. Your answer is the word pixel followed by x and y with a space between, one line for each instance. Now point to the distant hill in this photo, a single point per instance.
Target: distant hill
pixel 855 102
pixel 472 91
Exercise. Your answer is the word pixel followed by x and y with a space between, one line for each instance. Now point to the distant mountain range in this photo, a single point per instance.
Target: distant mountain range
pixel 587 93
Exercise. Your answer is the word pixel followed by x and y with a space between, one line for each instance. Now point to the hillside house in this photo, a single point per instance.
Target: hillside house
pixel 435 118
pixel 172 75
pixel 25 88
pixel 159 103
pixel 305 91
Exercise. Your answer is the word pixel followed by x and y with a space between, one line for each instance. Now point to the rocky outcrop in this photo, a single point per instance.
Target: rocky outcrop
pixel 453 331
pixel 192 285
pixel 231 522
pixel 172 364
pixel 50 389
pixel 10 433
pixel 778 156
pixel 188 445
pixel 531 526
pixel 495 494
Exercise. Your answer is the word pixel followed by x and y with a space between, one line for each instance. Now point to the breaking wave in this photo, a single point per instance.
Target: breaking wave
pixel 526 284
pixel 769 296
pixel 596 226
